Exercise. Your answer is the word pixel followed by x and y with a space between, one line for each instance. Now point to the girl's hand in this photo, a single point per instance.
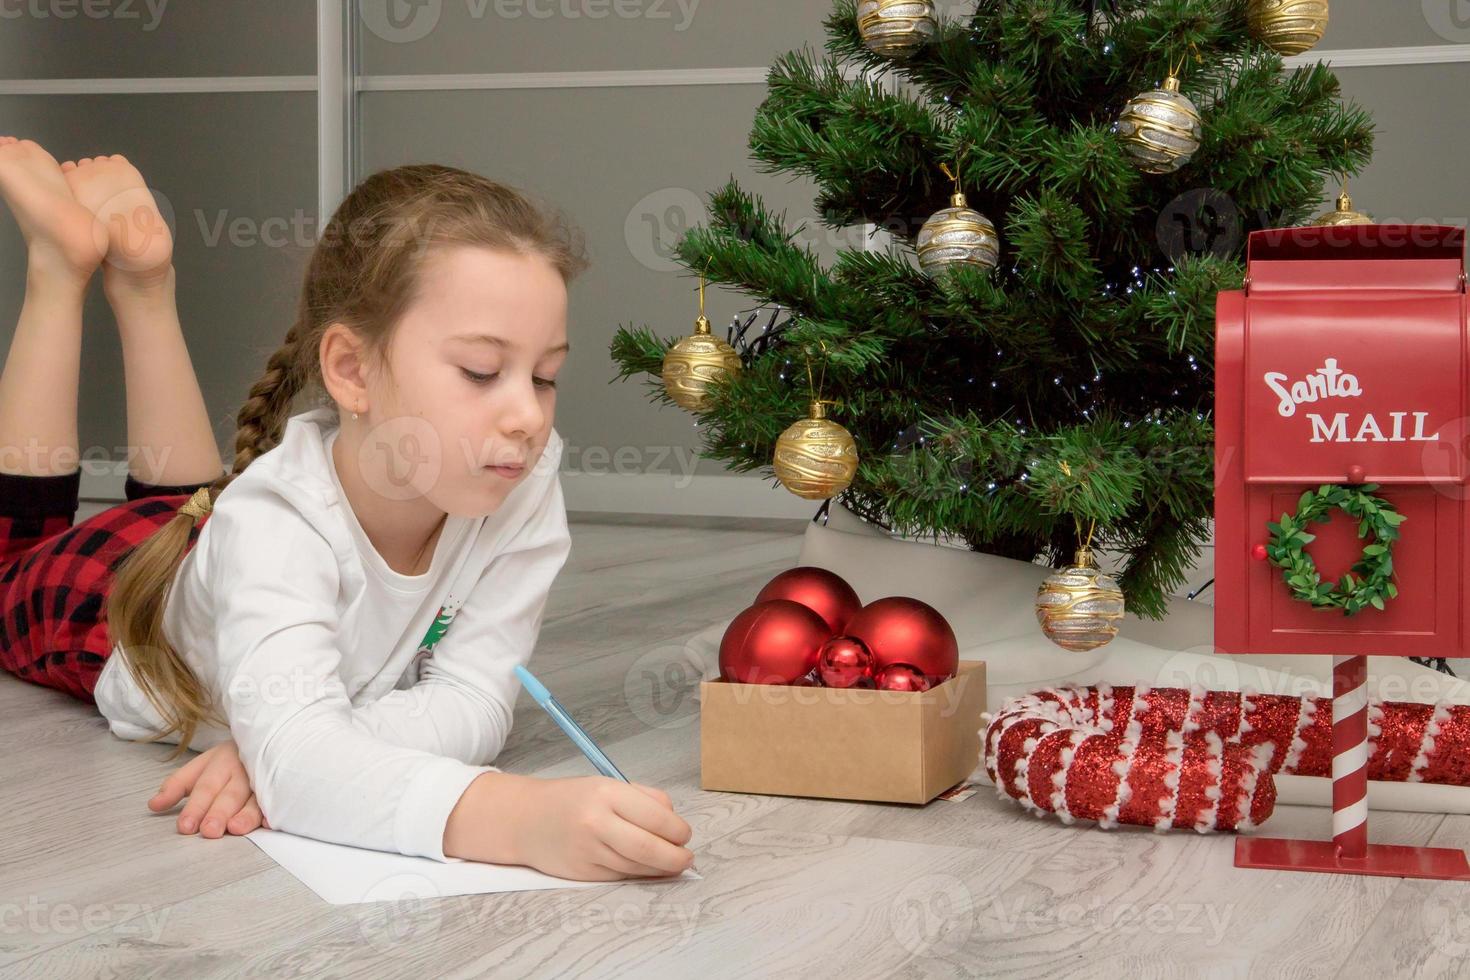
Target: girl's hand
pixel 219 794
pixel 587 828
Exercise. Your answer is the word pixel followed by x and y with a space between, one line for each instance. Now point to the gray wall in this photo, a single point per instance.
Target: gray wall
pixel 631 164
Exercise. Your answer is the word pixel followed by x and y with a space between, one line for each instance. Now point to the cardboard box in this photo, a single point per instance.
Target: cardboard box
pixel 845 744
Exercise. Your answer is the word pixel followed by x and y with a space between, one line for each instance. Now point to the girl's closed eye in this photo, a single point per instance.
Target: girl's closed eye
pixel 484 379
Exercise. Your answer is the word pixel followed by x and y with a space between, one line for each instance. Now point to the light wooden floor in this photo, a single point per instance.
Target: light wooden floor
pixel 93 884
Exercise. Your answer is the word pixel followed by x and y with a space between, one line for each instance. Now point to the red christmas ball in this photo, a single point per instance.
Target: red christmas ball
pixel 825 593
pixel 903 630
pixel 773 642
pixel 844 662
pixel 902 677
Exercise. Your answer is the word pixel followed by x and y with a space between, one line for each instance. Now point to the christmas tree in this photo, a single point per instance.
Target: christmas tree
pixel 1070 383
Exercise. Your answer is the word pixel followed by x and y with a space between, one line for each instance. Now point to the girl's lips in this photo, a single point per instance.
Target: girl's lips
pixel 509 472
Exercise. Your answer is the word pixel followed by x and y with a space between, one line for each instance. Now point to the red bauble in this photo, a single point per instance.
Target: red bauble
pixel 773 642
pixel 902 630
pixel 825 593
pixel 844 662
pixel 902 677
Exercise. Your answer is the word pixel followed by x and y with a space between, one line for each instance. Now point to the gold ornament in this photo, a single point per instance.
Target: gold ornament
pixel 896 28
pixel 957 235
pixel 1079 608
pixel 1160 129
pixel 815 457
pixel 1344 214
pixel 695 361
pixel 1287 26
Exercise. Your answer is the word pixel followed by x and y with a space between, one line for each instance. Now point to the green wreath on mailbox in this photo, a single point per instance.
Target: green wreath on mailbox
pixel 1369 582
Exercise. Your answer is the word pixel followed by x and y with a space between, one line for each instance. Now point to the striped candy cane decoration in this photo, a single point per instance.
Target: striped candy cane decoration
pixel 1350 756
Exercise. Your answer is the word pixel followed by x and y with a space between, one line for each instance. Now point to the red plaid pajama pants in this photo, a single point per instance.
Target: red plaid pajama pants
pixel 54 574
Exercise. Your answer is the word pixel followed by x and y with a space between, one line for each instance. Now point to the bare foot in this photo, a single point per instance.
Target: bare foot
pixel 63 237
pixel 140 247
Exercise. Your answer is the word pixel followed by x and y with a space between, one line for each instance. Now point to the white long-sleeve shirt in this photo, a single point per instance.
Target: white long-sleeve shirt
pixel 363 702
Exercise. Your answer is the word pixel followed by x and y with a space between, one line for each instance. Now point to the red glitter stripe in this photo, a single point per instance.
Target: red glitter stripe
pixel 1448 760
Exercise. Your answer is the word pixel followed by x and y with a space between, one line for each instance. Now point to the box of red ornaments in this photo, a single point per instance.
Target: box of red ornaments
pixel 819 695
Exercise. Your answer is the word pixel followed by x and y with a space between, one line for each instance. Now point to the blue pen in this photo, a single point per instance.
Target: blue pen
pixel 589 748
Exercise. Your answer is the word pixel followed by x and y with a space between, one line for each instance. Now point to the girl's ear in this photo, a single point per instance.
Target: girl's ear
pixel 344 365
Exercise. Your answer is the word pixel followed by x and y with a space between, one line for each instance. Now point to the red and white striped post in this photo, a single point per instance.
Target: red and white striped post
pixel 1350 756
pixel 1349 851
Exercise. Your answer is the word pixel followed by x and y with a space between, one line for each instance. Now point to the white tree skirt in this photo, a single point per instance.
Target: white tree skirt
pixel 988 600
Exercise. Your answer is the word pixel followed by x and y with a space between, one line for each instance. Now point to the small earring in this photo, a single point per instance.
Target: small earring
pixel 354 416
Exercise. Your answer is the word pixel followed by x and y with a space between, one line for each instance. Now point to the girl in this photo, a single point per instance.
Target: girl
pixel 336 619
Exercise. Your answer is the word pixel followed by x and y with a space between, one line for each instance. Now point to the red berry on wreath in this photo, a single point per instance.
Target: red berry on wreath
pixel 1259 552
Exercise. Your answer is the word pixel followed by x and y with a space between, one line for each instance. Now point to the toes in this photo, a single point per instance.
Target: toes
pixel 7 140
pixel 68 166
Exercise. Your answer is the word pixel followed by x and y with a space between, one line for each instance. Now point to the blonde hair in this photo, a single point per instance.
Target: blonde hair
pixel 363 273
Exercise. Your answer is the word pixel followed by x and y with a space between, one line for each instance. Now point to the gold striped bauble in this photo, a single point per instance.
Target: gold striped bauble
pixel 957 235
pixel 1079 608
pixel 1161 129
pixel 692 363
pixel 815 457
pixel 1287 26
pixel 1343 214
pixel 896 28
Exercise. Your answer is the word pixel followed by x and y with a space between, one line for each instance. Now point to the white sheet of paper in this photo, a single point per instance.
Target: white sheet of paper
pixel 344 875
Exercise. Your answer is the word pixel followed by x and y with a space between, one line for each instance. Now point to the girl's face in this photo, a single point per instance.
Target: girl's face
pixel 470 402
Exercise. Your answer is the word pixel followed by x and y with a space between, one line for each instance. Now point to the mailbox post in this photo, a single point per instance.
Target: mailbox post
pixel 1344 361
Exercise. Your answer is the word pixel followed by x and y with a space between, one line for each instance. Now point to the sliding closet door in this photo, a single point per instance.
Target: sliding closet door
pixel 215 102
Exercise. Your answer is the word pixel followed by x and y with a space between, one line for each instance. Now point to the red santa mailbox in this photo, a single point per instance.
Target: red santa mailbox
pixel 1342 365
